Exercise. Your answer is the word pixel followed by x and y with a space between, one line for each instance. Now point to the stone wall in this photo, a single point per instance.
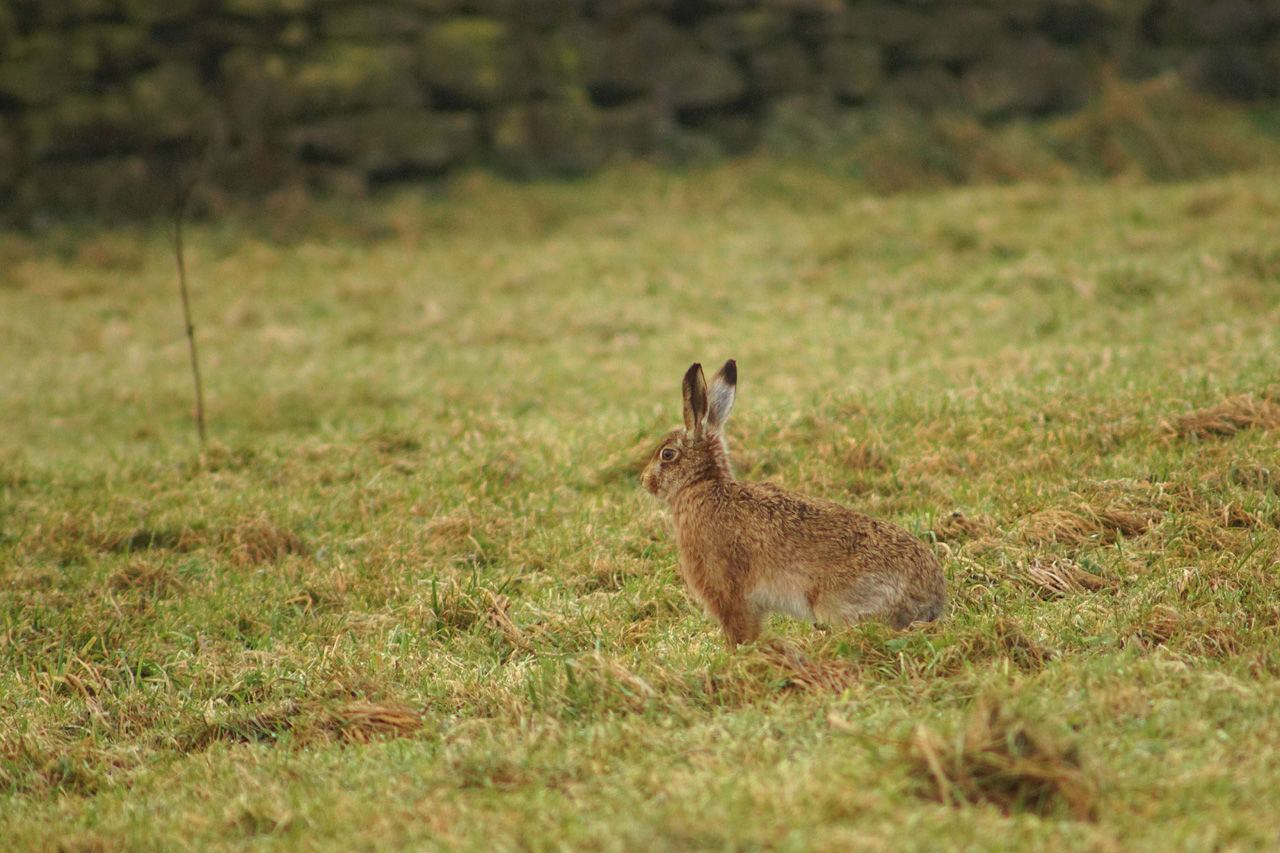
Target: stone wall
pixel 105 104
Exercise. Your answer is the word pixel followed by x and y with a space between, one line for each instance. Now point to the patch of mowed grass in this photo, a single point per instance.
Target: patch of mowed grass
pixel 411 595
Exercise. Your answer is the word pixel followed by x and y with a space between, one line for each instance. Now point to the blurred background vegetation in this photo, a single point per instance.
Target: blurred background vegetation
pixel 109 107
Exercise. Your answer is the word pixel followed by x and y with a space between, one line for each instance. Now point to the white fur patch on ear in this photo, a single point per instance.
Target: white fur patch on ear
pixel 723 391
pixel 722 397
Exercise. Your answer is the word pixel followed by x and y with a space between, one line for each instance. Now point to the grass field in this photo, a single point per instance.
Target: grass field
pixel 410 594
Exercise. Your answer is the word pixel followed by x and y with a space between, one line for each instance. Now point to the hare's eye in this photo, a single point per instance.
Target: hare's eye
pixel 667 454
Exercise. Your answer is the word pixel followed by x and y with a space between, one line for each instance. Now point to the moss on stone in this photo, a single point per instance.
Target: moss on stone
pixel 261 8
pixel 702 80
pixel 160 11
pixel 629 62
pixel 340 75
pixel 36 69
pixel 111 49
pixel 550 137
pixel 113 188
pixel 169 102
pixel 8 26
pixel 11 159
pixel 468 59
pixel 547 65
pixel 383 141
pixel 852 69
pixel 163 104
pixel 63 12
pixel 330 78
pixel 372 22
pixel 781 68
pixel 80 125
pixel 746 30
pixel 1025 75
pixel 959 34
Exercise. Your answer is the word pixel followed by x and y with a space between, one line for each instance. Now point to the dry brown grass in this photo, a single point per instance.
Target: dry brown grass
pixel 466 536
pixel 1227 418
pixel 1087 523
pixel 1193 632
pixel 29 767
pixel 248 542
pixel 1002 760
pixel 1060 577
pixel 142 576
pixel 798 671
pixel 604 572
pixel 449 531
pixel 452 605
pixel 1006 641
pixel 777 670
pixel 1010 641
pixel 958 527
pixel 308 722
pixel 861 456
pixel 259 541
pixel 498 616
pixel 597 678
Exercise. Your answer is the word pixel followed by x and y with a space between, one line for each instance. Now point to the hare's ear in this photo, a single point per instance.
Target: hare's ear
pixel 695 398
pixel 724 388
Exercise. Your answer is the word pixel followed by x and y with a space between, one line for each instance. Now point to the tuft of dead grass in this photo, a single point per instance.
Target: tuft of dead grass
pixel 362 722
pixel 958 527
pixel 1062 577
pixel 861 456
pixel 29 767
pixel 459 606
pixel 595 680
pixel 500 619
pixel 1010 640
pixel 801 672
pixel 1193 632
pixel 259 541
pixel 1085 523
pixel 1004 641
pixel 605 572
pixel 1001 760
pixel 451 530
pixel 466 536
pixel 315 598
pixel 309 722
pixel 147 578
pixel 246 543
pixel 1227 418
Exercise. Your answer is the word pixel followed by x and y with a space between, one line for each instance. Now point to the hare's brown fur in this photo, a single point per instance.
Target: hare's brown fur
pixel 750 548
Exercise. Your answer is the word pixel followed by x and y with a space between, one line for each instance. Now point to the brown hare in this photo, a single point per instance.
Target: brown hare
pixel 750 548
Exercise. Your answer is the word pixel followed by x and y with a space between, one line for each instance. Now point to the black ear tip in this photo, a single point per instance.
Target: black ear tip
pixel 731 372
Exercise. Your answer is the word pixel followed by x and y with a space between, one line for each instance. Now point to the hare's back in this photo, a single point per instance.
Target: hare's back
pixel 822 534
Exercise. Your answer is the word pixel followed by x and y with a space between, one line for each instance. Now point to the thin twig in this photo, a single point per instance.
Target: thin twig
pixel 183 202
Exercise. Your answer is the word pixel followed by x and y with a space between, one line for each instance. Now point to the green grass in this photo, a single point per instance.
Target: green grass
pixel 411 595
